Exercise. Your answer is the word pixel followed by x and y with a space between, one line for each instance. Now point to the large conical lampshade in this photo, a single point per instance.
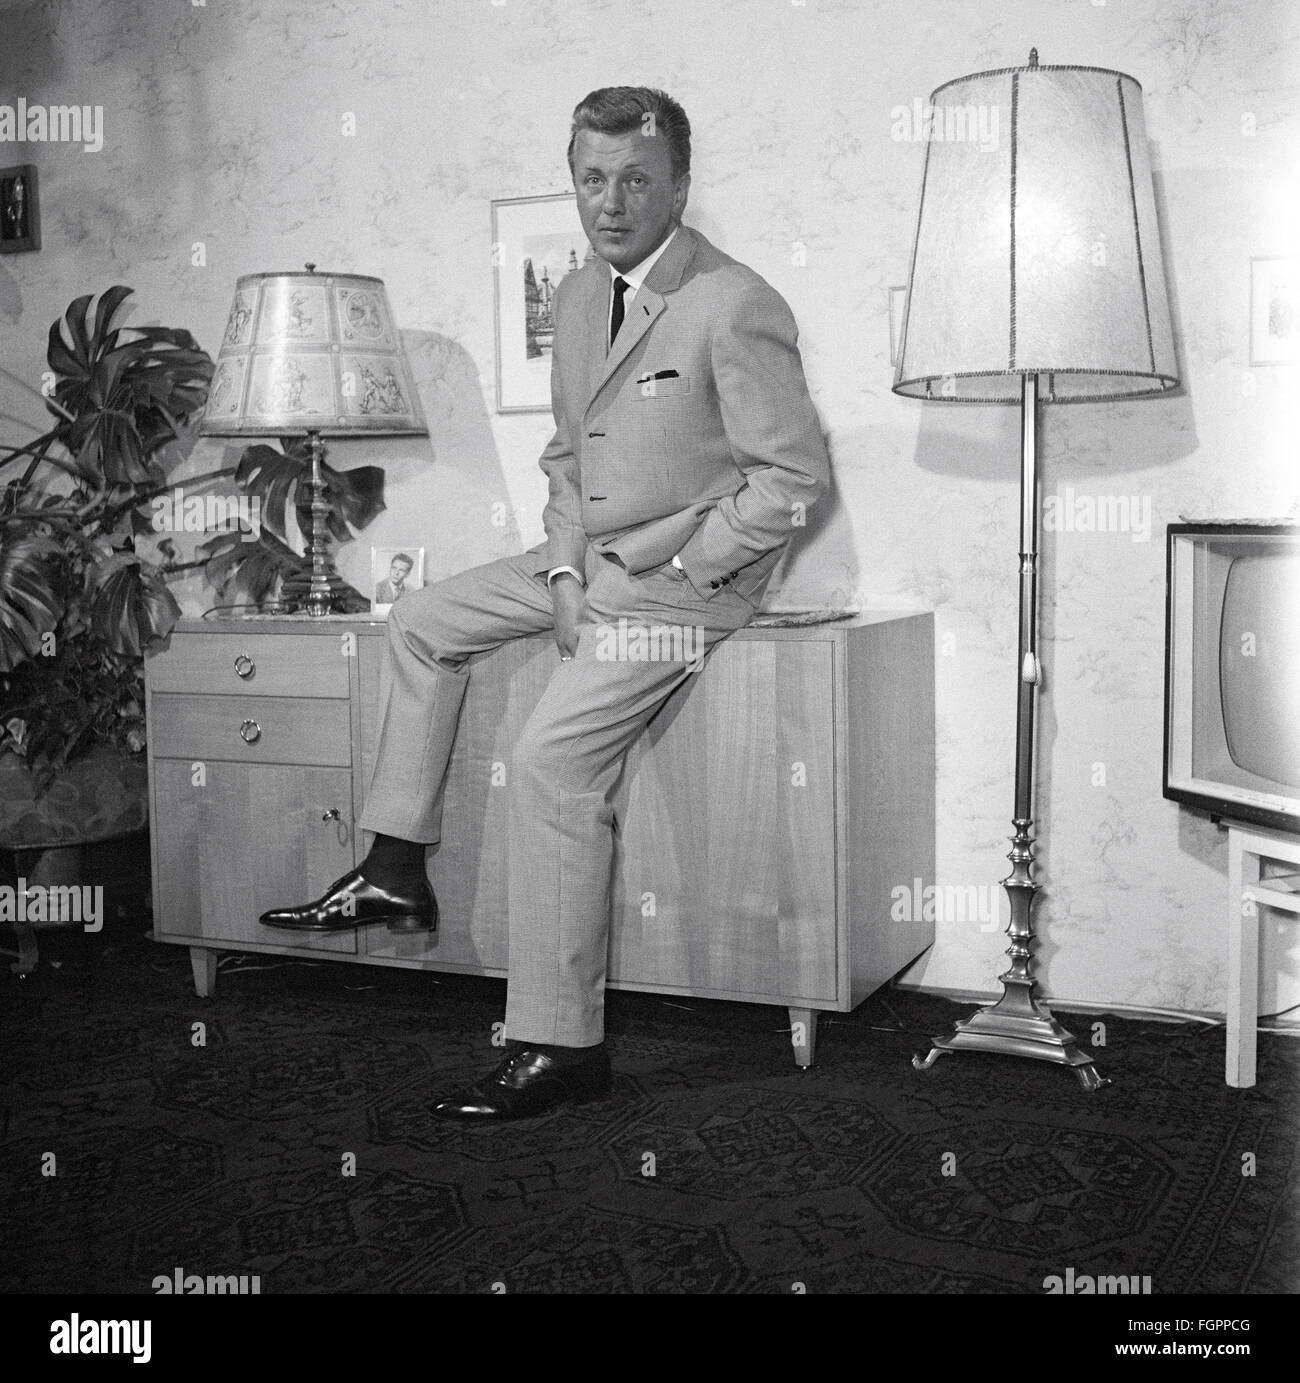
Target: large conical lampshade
pixel 1037 249
pixel 309 352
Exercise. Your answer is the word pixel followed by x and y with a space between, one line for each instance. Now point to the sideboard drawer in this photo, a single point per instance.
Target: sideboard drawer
pixel 277 665
pixel 253 729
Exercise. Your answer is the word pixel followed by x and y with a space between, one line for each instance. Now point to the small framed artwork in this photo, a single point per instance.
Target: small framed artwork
pixel 1274 311
pixel 20 211
pixel 393 572
pixel 535 242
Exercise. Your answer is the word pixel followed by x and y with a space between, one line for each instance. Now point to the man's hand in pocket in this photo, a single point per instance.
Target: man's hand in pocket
pixel 567 600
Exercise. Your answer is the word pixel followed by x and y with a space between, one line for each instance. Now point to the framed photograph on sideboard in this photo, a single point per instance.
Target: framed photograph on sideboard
pixel 393 572
pixel 535 242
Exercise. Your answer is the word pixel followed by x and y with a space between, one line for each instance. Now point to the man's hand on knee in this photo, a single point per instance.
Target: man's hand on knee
pixel 567 599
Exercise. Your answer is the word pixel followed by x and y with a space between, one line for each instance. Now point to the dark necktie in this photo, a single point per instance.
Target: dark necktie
pixel 616 321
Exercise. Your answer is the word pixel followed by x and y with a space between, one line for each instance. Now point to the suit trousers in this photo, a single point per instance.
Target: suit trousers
pixel 640 637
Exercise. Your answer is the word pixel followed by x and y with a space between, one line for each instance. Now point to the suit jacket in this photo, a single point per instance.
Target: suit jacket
pixel 386 595
pixel 709 461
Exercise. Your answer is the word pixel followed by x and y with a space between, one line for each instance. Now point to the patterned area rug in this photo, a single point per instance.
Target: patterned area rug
pixel 295 1145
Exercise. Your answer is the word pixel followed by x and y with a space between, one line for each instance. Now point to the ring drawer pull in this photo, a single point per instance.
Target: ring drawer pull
pixel 250 732
pixel 245 667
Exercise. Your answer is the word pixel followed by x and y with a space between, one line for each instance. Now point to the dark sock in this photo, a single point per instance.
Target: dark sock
pixel 397 865
pixel 562 1056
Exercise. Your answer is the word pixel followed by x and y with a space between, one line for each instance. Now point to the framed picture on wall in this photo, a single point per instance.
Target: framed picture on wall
pixel 1274 311
pixel 20 210
pixel 393 572
pixel 535 242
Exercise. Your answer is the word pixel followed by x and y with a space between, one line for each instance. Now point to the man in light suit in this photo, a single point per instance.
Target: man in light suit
pixel 686 452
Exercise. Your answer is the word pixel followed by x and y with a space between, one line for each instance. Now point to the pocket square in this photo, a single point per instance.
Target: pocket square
pixel 663 384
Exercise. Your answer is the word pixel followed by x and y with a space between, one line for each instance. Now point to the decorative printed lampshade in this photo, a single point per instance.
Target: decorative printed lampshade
pixel 1037 249
pixel 307 352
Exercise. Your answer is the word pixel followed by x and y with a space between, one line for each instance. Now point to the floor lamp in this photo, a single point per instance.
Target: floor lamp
pixel 312 355
pixel 1036 278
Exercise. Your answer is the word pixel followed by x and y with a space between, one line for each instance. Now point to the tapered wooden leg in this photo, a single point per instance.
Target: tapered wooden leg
pixel 1243 966
pixel 203 962
pixel 803 1034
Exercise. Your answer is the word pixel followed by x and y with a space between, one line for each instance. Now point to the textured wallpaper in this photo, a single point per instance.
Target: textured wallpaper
pixel 372 137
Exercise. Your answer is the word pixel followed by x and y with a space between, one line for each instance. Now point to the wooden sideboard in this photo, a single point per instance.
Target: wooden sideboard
pixel 764 819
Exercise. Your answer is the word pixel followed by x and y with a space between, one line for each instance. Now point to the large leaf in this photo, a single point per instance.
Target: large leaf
pixel 109 301
pixel 74 361
pixel 253 570
pixel 354 497
pixel 127 391
pixel 131 606
pixel 30 603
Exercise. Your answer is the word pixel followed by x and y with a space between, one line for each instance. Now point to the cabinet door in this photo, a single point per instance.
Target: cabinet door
pixel 726 879
pixel 232 840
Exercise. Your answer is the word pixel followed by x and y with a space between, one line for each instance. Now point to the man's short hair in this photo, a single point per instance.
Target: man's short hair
pixel 624 109
pixel 402 557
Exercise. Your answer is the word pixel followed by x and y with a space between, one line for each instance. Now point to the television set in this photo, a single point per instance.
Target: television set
pixel 1232 670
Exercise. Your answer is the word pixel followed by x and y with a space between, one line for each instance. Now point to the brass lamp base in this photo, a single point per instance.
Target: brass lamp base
pixel 1036 1035
pixel 314 593
pixel 319 591
pixel 1018 1024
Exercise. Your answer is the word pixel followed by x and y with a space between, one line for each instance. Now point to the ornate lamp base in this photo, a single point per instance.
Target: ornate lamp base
pixel 1018 1024
pixel 314 593
pixel 320 591
pixel 1039 1035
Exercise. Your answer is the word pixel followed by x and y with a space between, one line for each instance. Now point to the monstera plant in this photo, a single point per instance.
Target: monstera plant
pixel 79 603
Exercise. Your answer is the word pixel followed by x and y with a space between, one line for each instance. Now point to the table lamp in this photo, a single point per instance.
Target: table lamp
pixel 314 355
pixel 1036 277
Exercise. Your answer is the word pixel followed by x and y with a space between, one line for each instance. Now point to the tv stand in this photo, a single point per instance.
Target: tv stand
pixel 1263 871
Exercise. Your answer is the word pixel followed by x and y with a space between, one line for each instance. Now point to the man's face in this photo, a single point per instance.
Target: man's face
pixel 398 571
pixel 627 198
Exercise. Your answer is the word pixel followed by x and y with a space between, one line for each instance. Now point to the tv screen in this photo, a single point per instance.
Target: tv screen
pixel 1259 665
pixel 1232 670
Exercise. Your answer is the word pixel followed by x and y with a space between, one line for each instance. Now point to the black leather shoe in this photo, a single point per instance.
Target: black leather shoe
pixel 527 1083
pixel 353 901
